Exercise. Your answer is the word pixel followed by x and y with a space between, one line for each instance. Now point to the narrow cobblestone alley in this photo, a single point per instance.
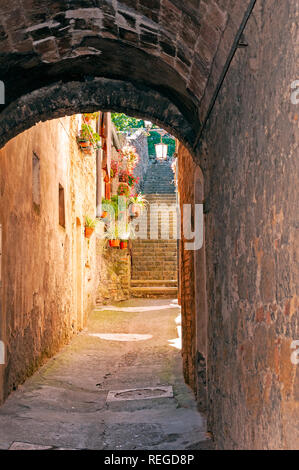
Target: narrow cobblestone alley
pixel 64 405
pixel 149 178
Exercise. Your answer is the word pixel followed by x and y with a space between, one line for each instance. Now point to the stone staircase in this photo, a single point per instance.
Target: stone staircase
pixel 158 179
pixel 154 261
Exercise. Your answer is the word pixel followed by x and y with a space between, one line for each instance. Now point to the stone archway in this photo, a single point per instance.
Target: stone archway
pixel 99 93
pixel 158 50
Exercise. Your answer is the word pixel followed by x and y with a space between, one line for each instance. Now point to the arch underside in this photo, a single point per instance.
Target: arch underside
pixel 61 99
pixel 151 59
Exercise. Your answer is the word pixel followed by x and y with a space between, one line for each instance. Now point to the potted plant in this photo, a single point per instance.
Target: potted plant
pixel 123 176
pixel 84 139
pixel 90 225
pixel 88 140
pixel 123 244
pixel 112 235
pixel 114 169
pixel 88 117
pixel 136 204
pixel 110 206
pixel 132 180
pixel 131 156
pixel 123 189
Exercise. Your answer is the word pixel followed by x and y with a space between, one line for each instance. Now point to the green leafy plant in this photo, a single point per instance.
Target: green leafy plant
pixel 88 134
pixel 123 122
pixel 112 232
pixel 89 222
pixel 111 203
pixel 123 189
pixel 91 116
pixel 138 199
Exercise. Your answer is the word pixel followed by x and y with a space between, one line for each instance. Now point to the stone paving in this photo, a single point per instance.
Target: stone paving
pixel 64 405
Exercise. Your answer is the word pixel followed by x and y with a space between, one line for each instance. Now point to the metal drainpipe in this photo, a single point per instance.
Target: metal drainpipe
pixel 178 218
pixel 226 68
pixel 98 176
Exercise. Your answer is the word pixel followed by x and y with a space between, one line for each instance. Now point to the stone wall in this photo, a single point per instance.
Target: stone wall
pixel 139 141
pixel 114 268
pixel 249 158
pixel 186 167
pixel 48 271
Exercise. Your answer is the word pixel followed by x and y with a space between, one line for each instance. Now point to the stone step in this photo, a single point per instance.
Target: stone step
pixel 153 292
pixel 154 283
pixel 167 256
pixel 151 243
pixel 155 254
pixel 166 198
pixel 144 275
pixel 161 255
pixel 155 265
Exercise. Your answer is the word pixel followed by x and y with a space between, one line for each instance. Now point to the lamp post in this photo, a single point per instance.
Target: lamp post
pixel 161 150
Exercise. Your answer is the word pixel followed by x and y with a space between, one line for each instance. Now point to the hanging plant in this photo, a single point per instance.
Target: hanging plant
pixel 112 236
pixel 114 169
pixel 131 156
pixel 132 180
pixel 124 244
pixel 111 205
pixel 123 189
pixel 88 140
pixel 124 176
pixel 136 204
pixel 88 117
pixel 90 225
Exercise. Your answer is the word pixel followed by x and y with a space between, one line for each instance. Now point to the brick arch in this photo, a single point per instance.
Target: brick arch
pixel 63 99
pixel 173 48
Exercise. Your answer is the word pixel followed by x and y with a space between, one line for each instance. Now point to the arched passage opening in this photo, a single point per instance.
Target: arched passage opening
pixel 65 255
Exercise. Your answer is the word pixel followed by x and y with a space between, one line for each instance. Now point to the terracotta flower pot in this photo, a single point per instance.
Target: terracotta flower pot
pixel 123 245
pixel 135 210
pixel 88 150
pixel 114 243
pixel 84 143
pixel 88 232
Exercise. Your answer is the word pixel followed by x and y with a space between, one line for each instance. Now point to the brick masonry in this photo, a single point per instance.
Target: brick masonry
pixel 181 48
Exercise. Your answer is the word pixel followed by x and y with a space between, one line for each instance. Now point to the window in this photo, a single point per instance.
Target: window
pixel 36 181
pixel 61 206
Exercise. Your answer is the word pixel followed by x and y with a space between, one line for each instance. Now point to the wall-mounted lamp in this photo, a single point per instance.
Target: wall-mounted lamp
pixel 161 150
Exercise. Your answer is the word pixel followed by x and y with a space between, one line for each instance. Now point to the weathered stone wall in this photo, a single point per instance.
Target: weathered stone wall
pixel 186 168
pixel 250 162
pixel 139 141
pixel 175 43
pixel 48 271
pixel 114 268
